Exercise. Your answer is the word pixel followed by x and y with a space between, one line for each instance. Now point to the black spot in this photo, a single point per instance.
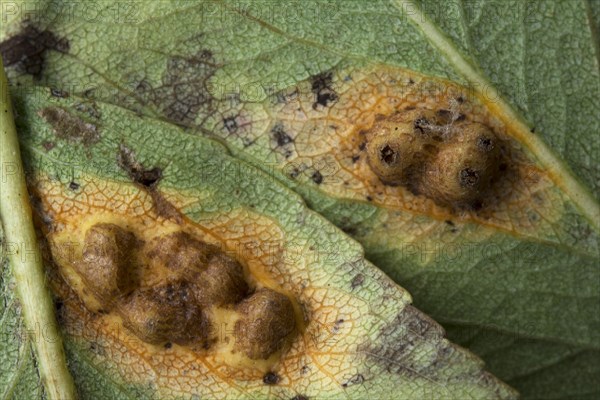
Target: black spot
pixel 294 173
pixel 369 198
pixel 468 177
pixel 485 144
pixel 445 114
pixel 73 185
pixel 230 124
pixel 460 99
pixel 280 135
pixel 355 380
pixel 387 155
pixel 532 130
pixel 460 117
pixel 410 81
pixel 322 88
pixel 299 397
pixel 317 177
pixel 449 222
pixel 27 49
pixel 270 378
pixel 355 158
pixel 168 345
pixel 421 124
pixel 362 146
pixel 58 93
pixel 357 281
pixel 145 177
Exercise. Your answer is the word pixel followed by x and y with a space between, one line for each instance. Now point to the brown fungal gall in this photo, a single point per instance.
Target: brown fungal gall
pixel 221 283
pixel 435 154
pixel 181 253
pixel 166 313
pixel 465 168
pixel 266 319
pixel 107 265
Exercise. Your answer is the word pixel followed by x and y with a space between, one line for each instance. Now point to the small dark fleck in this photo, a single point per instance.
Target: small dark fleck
pixel 460 99
pixel 369 198
pixel 410 81
pixel 485 144
pixel 271 378
pixel 387 155
pixel 532 130
pixel 73 185
pixel 230 124
pixel 280 136
pixel 59 93
pixel 449 222
pixel 355 380
pixel 48 145
pixel 461 117
pixel 168 345
pixel 362 146
pixel 421 124
pixel 468 177
pixel 294 173
pixel 357 281
pixel 317 177
pixel 323 90
pixel 477 205
pixel 503 167
pixel 443 113
pixel 355 158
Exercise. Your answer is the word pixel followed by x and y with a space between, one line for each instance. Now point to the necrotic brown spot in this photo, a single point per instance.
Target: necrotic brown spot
pixel 69 127
pixel 27 49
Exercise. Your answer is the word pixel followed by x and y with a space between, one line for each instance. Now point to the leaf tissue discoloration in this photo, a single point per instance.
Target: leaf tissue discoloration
pixel 322 87
pixel 68 127
pixel 27 49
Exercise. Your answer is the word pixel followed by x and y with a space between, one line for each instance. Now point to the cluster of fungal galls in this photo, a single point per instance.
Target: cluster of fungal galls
pixel 438 154
pixel 178 309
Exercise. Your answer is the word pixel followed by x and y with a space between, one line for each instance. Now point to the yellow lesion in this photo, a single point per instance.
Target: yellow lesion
pixel 333 140
pixel 269 259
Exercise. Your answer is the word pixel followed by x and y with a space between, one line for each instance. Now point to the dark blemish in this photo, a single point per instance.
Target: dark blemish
pixel 145 177
pixel 230 124
pixel 362 146
pixel 355 380
pixel 294 173
pixel 337 324
pixel 317 177
pixel 355 158
pixel 304 370
pixel 410 81
pixel 460 99
pixel 299 397
pixel 168 345
pixel 27 49
pixel 420 124
pixel 357 281
pixel 89 108
pixel 369 198
pixel 148 179
pixel 59 93
pixel 410 108
pixel 73 185
pixel 485 144
pixel 270 378
pixel 350 230
pixel 184 90
pixel 69 127
pixel 468 177
pixel 387 155
pixel 284 97
pixel 476 205
pixel 445 114
pixel 322 88
pixel 280 136
pixel 48 145
pixel 532 130
pixel 449 222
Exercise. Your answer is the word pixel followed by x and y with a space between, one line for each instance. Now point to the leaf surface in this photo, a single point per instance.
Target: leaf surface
pixel 529 271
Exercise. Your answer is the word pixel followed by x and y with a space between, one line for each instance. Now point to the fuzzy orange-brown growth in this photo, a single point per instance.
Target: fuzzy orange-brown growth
pixel 267 317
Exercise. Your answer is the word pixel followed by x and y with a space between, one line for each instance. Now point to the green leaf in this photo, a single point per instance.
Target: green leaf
pixel 89 162
pixel 531 65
